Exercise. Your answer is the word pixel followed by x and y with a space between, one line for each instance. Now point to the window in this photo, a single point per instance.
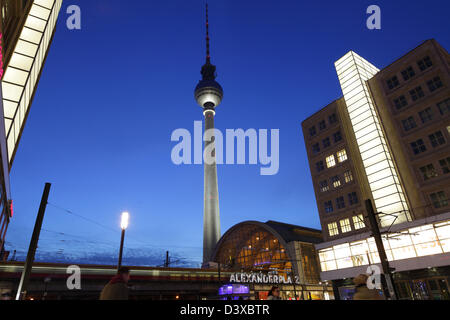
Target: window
pixel 428 172
pixel 445 165
pixel 323 185
pixel 333 229
pixel 408 73
pixel 392 82
pixel 444 106
pixel 400 102
pixel 331 162
pixel 340 203
pixel 328 206
pixel 434 84
pixel 352 198
pixel 319 166
pixel 337 137
pixel 409 123
pixel 332 119
pixel 439 199
pixel 416 93
pixel 342 155
pixel 326 142
pixel 336 181
pixel 436 139
pixel 345 225
pixel 348 176
pixel 322 125
pixel 424 63
pixel 418 146
pixel 426 115
pixel 316 148
pixel 312 131
pixel 358 222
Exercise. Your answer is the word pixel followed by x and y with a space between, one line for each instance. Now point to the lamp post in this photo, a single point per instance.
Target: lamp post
pixel 123 225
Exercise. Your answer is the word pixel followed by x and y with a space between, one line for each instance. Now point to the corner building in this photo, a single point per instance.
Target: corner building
pixel 387 139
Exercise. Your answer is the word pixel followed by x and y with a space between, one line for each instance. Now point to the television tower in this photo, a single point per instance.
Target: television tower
pixel 208 95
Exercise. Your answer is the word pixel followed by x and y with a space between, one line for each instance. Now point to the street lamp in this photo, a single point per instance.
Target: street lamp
pixel 123 225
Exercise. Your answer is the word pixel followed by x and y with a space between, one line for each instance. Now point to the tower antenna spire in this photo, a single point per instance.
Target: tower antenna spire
pixel 208 56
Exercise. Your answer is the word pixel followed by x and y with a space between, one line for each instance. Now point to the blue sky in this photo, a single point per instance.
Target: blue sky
pixel 112 93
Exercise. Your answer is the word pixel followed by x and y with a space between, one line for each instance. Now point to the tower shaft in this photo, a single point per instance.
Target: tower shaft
pixel 211 216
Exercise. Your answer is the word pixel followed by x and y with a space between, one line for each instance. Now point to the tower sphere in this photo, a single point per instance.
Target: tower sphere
pixel 208 94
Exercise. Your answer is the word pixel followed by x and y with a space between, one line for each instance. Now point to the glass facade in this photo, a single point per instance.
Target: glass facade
pixel 353 72
pixel 410 243
pixel 22 73
pixel 252 248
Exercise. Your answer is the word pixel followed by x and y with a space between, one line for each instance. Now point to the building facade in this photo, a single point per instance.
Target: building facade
pixel 262 255
pixel 26 31
pixel 387 140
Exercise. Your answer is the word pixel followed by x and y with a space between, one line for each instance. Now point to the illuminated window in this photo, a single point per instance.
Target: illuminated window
pixel 326 142
pixel 408 73
pixel 444 106
pixel 409 124
pixel 424 63
pixel 323 185
pixel 418 146
pixel 312 131
pixel 337 137
pixel 322 125
pixel 426 115
pixel 328 206
pixel 336 181
pixel 434 84
pixel 342 155
pixel 392 82
pixel 428 172
pixel 358 222
pixel 400 102
pixel 319 166
pixel 352 198
pixel 345 225
pixel 340 202
pixel 445 165
pixel 331 162
pixel 436 139
pixel 348 176
pixel 316 148
pixel 416 93
pixel 333 229
pixel 439 199
pixel 332 119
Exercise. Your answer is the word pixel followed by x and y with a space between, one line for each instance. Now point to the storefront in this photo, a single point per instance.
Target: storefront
pixel 263 255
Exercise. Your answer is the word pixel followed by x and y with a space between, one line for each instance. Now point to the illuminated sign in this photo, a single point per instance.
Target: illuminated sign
pixel 263 278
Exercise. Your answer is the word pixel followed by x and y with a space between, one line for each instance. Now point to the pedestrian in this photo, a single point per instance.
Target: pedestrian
pixel 274 293
pixel 117 288
pixel 362 291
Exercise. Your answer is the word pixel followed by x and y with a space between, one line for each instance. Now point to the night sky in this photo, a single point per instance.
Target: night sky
pixel 112 93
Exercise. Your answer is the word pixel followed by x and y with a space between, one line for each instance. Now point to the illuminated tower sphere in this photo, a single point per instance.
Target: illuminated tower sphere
pixel 208 95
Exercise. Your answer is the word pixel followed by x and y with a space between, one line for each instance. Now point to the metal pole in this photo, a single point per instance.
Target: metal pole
pixel 21 291
pixel 121 249
pixel 390 290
